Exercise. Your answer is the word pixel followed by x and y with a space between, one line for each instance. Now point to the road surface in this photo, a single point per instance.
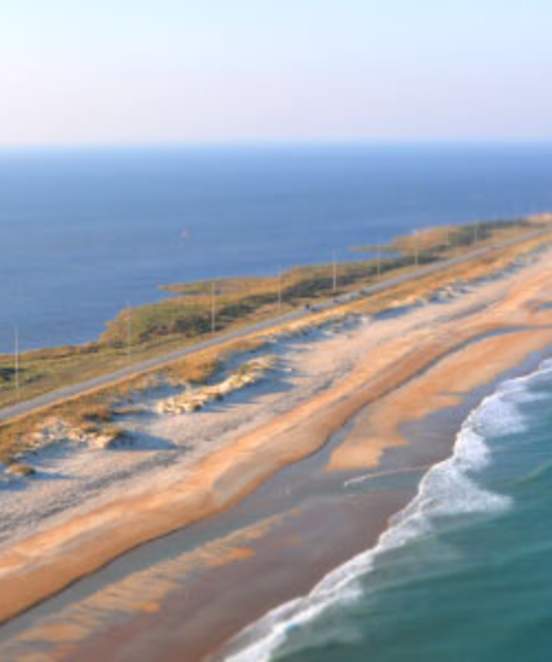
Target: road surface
pixel 75 390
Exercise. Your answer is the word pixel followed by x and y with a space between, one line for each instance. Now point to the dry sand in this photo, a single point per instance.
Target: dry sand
pixel 385 363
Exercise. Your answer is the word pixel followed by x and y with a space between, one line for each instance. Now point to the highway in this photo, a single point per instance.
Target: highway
pixel 72 391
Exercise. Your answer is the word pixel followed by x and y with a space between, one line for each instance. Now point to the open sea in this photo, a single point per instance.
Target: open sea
pixel 462 574
pixel 83 233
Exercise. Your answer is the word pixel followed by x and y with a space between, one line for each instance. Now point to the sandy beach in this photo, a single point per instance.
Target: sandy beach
pixel 368 376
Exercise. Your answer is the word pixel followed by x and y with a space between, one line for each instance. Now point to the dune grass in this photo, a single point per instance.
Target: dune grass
pixel 185 318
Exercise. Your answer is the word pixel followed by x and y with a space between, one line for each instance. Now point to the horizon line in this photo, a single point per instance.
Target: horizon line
pixel 272 143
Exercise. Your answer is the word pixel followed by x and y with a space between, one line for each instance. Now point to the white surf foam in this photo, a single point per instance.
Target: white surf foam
pixel 448 488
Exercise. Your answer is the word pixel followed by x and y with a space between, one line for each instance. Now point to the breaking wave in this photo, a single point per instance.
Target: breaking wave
pixel 449 488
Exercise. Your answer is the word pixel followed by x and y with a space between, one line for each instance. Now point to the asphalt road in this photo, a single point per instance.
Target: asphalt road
pixel 53 397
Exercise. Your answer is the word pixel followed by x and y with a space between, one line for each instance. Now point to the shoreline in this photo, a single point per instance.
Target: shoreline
pixel 114 347
pixel 203 620
pixel 428 439
pixel 225 477
pixel 355 255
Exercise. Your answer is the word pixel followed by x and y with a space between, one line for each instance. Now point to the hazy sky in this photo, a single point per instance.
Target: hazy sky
pixel 142 71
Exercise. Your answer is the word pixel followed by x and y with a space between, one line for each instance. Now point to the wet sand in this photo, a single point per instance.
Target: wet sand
pixel 409 378
pixel 287 562
pixel 236 580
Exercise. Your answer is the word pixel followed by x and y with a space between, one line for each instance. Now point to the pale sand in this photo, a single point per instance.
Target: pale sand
pixel 42 564
pixel 499 338
pixel 380 426
pixel 73 478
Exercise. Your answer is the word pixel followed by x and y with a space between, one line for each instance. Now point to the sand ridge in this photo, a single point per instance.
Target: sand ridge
pixel 401 354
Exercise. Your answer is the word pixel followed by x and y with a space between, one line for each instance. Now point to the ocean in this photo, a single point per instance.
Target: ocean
pixel 462 573
pixel 84 233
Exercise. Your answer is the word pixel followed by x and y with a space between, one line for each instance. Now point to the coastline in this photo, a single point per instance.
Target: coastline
pixel 514 327
pixel 201 619
pixel 428 441
pixel 164 264
pixel 171 330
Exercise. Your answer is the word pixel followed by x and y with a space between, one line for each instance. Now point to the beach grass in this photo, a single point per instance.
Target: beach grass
pixel 185 318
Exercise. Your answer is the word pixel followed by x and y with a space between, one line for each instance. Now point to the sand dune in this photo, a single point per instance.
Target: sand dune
pixel 384 364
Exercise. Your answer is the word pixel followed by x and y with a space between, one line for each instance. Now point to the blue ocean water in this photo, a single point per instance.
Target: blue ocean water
pixel 463 572
pixel 84 232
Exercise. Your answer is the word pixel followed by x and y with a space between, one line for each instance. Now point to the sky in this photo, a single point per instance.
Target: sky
pixel 178 71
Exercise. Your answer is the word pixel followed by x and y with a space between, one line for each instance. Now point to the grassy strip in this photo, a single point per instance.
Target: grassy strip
pixel 186 317
pixel 96 412
pixel 158 328
pixel 47 369
pixel 188 314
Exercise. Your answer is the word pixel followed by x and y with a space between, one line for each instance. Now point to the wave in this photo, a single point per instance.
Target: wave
pixel 449 488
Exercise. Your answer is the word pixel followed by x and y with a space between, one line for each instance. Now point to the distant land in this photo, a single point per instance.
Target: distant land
pixel 302 423
pixel 84 233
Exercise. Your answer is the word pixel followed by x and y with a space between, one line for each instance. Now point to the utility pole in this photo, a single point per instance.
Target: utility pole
pixel 334 272
pixel 16 358
pixel 213 309
pixel 129 329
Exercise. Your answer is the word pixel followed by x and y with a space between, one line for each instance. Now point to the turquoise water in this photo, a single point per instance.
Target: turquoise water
pixel 464 572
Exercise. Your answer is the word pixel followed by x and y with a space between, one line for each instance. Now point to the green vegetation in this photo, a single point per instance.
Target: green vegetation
pixel 154 329
pixel 185 318
pixel 95 413
pixel 188 314
pixel 430 243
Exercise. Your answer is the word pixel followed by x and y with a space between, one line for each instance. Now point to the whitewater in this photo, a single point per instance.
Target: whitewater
pixel 453 494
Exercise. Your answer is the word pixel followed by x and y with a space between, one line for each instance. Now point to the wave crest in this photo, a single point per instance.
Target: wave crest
pixel 449 488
